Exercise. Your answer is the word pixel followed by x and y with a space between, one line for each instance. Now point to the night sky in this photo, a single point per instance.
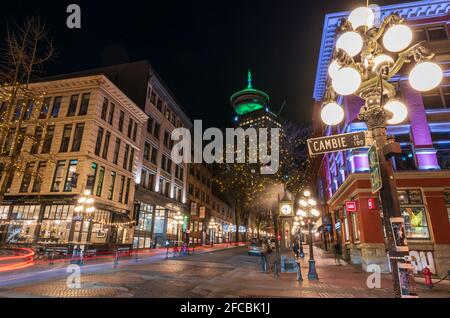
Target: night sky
pixel 201 49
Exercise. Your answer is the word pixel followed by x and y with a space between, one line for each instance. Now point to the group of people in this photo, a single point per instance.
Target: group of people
pixel 298 252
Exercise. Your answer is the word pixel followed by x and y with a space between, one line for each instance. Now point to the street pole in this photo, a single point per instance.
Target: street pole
pixel 312 273
pixel 375 118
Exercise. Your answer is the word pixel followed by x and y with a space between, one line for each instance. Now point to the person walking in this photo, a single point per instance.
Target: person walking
pixel 337 253
pixel 295 248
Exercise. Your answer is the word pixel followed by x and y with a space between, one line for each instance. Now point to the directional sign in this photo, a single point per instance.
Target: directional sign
pixel 374 169
pixel 317 146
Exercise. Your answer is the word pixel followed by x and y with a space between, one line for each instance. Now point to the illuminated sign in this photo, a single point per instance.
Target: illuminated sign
pixel 372 203
pixel 350 206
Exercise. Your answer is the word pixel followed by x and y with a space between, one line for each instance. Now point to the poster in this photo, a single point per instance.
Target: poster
pixel 406 279
pixel 398 231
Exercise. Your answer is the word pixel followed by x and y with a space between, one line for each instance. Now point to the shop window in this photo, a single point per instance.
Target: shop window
pixel 416 225
pixel 145 217
pixel 159 220
pixel 356 233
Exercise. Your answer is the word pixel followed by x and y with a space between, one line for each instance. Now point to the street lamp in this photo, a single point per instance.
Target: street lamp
pixel 179 221
pixel 212 227
pixel 365 70
pixel 85 206
pixel 307 215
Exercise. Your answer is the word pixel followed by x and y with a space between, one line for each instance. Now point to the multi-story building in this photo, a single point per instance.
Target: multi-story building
pixel 222 215
pixel 252 108
pixel 199 201
pixel 93 142
pixel 421 171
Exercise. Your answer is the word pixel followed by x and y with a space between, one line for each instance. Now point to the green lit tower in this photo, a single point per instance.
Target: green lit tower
pixel 252 107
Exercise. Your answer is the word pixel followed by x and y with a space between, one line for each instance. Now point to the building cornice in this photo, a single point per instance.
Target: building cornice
pixel 92 82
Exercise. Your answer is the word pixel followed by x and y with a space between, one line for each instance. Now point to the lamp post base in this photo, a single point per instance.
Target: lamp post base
pixel 312 274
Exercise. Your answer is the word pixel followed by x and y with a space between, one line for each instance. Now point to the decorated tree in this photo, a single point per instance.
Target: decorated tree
pixel 25 51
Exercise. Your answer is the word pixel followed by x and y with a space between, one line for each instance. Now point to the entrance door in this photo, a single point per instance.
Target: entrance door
pixel 80 231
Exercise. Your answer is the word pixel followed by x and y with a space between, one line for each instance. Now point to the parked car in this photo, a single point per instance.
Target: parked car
pixel 257 248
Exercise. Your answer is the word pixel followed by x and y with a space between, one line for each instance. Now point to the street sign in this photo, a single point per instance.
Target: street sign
pixel 350 206
pixel 374 168
pixel 321 145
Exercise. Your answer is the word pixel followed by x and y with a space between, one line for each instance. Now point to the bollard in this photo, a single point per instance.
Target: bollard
pixel 167 252
pixel 275 269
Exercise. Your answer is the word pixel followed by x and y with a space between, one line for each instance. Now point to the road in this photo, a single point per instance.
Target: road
pixel 224 273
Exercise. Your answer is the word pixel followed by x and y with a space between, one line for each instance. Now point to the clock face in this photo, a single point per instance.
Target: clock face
pixel 286 209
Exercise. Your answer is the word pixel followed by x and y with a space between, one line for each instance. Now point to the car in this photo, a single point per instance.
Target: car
pixel 257 247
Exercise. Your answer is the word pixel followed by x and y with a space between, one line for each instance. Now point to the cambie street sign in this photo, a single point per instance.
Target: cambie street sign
pixel 321 145
pixel 374 168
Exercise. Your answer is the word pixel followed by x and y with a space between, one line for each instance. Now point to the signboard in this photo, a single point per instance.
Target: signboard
pixel 374 169
pixel 317 146
pixel 350 206
pixel 372 204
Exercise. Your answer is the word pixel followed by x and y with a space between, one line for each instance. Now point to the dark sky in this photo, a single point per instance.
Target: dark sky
pixel 202 49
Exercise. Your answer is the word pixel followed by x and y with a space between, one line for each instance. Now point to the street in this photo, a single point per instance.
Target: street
pixel 216 273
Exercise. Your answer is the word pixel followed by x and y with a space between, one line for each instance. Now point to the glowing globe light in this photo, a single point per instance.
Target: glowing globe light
pixel 346 81
pixel 397 38
pixel 315 212
pixel 399 110
pixel 82 200
pixel 381 58
pixel 303 203
pixel 87 192
pixel 312 202
pixel 333 68
pixel 351 42
pixel 361 16
pixel 332 114
pixel 425 76
pixel 307 193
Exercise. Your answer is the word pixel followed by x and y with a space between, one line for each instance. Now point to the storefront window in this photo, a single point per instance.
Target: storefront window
pixel 355 226
pixel 56 224
pixel 145 217
pixel 414 213
pixel 4 209
pixel 159 221
pixel 346 228
pixel 171 224
pixel 415 222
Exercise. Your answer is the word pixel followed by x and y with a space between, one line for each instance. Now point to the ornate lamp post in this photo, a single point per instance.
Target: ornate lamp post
pixel 179 221
pixel 361 67
pixel 212 226
pixel 308 215
pixel 85 207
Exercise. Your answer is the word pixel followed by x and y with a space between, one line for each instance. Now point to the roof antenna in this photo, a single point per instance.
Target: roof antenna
pixel 282 107
pixel 249 79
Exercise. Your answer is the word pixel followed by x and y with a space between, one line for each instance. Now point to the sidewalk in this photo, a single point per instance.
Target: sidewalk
pixel 350 280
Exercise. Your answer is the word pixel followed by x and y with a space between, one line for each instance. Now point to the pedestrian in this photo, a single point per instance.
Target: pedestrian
pixel 337 253
pixel 295 248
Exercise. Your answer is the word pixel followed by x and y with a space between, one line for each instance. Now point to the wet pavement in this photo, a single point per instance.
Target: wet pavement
pixel 220 273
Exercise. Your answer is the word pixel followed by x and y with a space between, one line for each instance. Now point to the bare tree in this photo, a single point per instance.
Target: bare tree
pixel 26 49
